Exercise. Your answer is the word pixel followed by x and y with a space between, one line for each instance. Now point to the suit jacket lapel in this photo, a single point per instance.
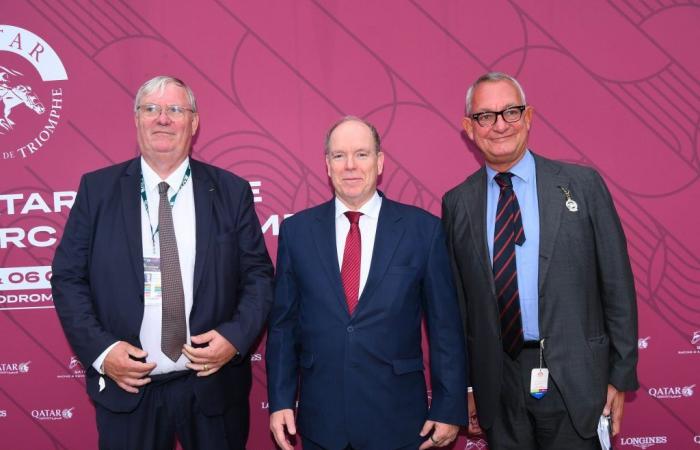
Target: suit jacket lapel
pixel 550 199
pixel 131 208
pixel 324 238
pixel 476 205
pixel 387 238
pixel 204 191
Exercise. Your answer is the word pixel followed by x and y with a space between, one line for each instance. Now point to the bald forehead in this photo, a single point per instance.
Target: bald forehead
pixel 351 129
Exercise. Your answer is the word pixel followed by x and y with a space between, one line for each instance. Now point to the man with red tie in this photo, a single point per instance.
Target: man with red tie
pixel 544 280
pixel 355 277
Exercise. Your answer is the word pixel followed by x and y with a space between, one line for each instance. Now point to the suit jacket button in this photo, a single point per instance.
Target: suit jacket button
pixel 350 329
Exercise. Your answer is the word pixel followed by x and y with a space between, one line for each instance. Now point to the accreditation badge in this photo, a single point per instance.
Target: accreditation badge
pixel 538 382
pixel 152 291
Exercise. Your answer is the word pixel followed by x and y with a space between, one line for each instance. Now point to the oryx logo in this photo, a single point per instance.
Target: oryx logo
pixel 643 343
pixel 24 367
pixel 32 81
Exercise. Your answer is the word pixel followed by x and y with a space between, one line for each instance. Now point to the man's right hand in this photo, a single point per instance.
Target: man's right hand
pixel 278 421
pixel 126 372
pixel 474 427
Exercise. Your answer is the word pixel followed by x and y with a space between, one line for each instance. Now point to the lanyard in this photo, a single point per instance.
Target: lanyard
pixel 144 199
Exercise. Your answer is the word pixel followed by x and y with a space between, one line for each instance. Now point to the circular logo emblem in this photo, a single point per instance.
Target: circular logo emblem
pixel 32 81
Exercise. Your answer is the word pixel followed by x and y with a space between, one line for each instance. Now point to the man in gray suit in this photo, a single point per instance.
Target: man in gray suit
pixel 547 293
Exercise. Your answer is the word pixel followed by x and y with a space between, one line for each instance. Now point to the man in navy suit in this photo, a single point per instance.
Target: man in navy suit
pixel 162 283
pixel 355 276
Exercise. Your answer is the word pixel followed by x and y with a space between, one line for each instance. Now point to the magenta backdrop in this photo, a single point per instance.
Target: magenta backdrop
pixel 615 84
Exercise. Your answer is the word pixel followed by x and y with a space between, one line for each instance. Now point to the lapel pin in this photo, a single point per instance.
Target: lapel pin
pixel 571 205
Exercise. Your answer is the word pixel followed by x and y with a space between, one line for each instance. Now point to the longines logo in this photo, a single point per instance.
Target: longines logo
pixel 75 368
pixel 643 441
pixel 31 92
pixel 643 343
pixel 14 368
pixel 53 414
pixel 672 391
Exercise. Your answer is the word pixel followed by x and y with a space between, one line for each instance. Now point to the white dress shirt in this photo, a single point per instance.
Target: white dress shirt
pixel 185 228
pixel 368 231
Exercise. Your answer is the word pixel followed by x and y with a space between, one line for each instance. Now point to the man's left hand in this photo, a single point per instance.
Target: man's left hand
pixel 442 434
pixel 208 360
pixel 614 406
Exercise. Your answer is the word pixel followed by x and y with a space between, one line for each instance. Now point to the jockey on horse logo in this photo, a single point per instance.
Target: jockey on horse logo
pixel 12 96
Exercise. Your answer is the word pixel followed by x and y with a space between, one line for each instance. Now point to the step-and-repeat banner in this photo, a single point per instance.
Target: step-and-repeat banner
pixel 615 85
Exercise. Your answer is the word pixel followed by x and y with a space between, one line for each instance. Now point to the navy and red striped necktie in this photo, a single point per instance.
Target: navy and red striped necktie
pixel 507 233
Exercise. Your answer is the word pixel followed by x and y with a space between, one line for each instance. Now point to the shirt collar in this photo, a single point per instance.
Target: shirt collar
pixel 369 209
pixel 151 178
pixel 523 169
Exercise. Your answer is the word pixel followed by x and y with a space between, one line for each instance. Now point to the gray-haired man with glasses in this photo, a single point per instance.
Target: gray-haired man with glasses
pixel 162 283
pixel 544 279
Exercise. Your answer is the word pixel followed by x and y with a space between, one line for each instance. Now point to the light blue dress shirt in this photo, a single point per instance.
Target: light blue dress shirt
pixel 527 255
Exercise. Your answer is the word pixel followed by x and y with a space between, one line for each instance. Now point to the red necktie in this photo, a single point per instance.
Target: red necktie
pixel 508 232
pixel 350 272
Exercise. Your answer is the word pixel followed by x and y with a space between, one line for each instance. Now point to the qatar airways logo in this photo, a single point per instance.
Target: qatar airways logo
pixel 53 414
pixel 643 442
pixel 670 392
pixel 14 368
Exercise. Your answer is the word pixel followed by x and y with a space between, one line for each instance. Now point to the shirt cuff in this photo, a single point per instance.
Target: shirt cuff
pixel 97 364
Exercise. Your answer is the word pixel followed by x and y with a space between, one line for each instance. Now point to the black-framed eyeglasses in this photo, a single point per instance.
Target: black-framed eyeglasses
pixel 510 115
pixel 151 111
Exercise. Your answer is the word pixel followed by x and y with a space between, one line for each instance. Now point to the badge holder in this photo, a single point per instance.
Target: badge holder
pixel 539 377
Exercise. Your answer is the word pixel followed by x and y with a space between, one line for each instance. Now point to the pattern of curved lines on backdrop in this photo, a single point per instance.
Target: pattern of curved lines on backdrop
pixel 664 297
pixel 394 165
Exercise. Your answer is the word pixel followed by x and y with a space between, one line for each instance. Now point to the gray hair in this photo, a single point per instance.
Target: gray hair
pixel 372 129
pixel 158 84
pixel 490 77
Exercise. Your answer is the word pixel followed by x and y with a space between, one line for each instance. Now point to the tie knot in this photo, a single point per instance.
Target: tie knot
pixel 504 179
pixel 163 188
pixel 353 216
